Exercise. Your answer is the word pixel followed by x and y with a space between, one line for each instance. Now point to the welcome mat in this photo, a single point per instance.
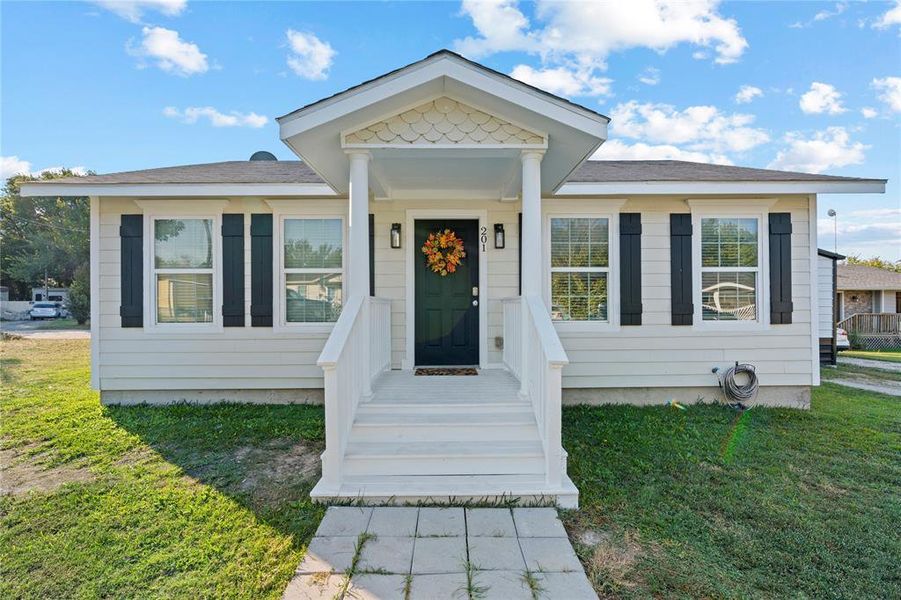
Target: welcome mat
pixel 446 371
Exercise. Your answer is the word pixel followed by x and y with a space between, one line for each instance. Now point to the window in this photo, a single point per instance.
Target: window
pixel 580 268
pixel 730 269
pixel 183 270
pixel 313 273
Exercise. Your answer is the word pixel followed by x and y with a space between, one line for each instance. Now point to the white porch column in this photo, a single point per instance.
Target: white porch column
pixel 531 245
pixel 358 226
pixel 531 223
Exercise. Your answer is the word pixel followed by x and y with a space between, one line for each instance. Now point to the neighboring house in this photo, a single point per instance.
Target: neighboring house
pixel 869 305
pixel 582 281
pixel 827 309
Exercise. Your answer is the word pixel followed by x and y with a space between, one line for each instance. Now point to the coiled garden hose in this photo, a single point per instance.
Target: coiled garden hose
pixel 732 389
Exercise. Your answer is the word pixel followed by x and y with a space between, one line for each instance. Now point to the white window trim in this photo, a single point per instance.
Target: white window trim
pixel 613 317
pixel 279 305
pixel 750 209
pixel 150 289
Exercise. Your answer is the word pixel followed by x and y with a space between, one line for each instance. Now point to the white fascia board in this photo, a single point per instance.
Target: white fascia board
pixel 717 187
pixel 149 190
pixel 417 75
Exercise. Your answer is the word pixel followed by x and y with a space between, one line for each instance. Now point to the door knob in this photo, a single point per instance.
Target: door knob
pixel 475 302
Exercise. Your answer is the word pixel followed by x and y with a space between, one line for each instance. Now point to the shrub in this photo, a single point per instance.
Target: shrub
pixel 80 295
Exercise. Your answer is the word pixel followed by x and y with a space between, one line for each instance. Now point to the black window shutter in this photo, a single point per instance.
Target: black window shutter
pixel 680 269
pixel 780 268
pixel 233 270
pixel 371 254
pixel 630 268
pixel 131 240
pixel 261 270
pixel 519 237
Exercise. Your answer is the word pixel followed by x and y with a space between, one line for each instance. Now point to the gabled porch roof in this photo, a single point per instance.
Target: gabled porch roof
pixel 454 127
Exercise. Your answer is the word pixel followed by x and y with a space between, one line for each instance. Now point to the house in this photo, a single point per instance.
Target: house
pixel 869 305
pixel 827 307
pixel 443 215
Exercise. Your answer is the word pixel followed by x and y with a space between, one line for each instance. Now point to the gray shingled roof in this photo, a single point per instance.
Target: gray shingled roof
pixel 593 171
pixel 862 277
pixel 677 170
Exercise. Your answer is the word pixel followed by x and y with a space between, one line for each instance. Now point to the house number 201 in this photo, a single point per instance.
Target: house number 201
pixel 483 237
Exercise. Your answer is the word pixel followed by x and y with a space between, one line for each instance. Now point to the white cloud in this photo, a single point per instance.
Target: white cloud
pixel 133 10
pixel 700 128
pixel 563 81
pixel 171 53
pixel 587 32
pixel 618 150
pixel 891 91
pixel 876 212
pixel 193 114
pixel 891 17
pixel 827 14
pixel 310 57
pixel 824 150
pixel 822 98
pixel 868 113
pixel 880 238
pixel 747 93
pixel 13 165
pixel 650 76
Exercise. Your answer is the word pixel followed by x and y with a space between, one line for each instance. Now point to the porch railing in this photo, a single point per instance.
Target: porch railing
pixel 531 341
pixel 357 351
pixel 872 324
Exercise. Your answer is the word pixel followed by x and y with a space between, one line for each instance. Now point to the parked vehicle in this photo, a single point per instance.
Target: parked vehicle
pixel 841 339
pixel 44 310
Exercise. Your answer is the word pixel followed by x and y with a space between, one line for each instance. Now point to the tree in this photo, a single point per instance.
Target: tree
pixel 41 237
pixel 875 261
pixel 80 295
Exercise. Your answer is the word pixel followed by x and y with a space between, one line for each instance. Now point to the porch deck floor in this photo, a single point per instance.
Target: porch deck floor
pixel 490 386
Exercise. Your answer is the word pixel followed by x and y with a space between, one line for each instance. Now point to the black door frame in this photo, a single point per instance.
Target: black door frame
pixel 480 218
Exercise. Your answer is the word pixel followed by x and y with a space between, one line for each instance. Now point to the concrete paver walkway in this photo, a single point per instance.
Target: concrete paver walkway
pixel 409 553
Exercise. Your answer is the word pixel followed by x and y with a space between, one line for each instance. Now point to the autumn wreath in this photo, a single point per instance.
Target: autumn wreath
pixel 443 251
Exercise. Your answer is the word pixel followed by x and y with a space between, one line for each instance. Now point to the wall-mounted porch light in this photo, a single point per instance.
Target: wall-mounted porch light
pixel 499 241
pixel 395 235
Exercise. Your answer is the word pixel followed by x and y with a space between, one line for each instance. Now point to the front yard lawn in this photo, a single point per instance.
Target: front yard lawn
pixel 873 355
pixel 213 501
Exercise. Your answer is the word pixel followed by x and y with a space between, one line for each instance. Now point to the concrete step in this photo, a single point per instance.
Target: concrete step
pixel 443 458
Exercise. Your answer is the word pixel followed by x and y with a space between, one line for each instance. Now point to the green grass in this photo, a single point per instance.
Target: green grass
pixel 769 503
pixel 894 356
pixel 54 324
pixel 197 502
pixel 163 507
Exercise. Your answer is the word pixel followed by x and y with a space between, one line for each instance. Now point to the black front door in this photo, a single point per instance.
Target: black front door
pixel 447 312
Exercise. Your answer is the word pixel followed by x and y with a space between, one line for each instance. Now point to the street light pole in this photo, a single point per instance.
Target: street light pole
pixel 834 216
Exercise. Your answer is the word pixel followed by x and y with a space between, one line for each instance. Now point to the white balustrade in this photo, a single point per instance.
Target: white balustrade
pixel 357 351
pixel 531 341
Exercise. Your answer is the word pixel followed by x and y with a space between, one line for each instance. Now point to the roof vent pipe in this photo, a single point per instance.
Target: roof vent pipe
pixel 262 155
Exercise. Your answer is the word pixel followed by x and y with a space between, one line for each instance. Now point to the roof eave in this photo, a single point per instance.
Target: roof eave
pixel 186 190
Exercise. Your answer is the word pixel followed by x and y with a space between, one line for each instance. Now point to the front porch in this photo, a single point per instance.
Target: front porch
pixel 396 437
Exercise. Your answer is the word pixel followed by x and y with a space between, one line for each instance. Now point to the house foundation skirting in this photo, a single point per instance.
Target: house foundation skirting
pixel 785 396
pixel 164 397
pixel 780 395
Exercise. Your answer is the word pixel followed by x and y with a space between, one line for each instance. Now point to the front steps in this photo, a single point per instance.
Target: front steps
pixel 446 439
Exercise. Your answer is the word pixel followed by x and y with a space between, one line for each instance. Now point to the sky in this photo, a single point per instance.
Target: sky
pixel 134 84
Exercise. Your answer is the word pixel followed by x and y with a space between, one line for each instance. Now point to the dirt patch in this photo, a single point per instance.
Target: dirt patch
pixel 611 557
pixel 275 464
pixel 21 474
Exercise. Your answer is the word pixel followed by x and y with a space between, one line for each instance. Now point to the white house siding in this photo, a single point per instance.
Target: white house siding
pixel 658 354
pixel 825 295
pixel 235 358
pixel 655 354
